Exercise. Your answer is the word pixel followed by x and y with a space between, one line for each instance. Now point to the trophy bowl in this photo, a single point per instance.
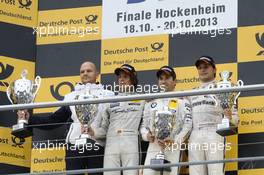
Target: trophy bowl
pixel 164 124
pixel 23 91
pixel 85 114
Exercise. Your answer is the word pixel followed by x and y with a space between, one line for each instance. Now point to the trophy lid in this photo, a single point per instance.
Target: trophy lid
pixel 24 74
pixel 225 75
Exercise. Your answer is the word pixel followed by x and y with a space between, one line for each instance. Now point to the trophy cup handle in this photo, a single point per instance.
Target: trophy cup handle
pixel 36 85
pixel 8 93
pixel 230 74
pixel 240 83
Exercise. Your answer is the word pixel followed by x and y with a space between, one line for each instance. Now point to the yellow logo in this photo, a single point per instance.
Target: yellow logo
pixel 48 160
pixel 69 25
pixel 25 4
pixel 23 13
pixel 250 44
pixel 54 89
pixel 250 110
pixel 144 53
pixel 14 151
pixel 173 104
pixel 260 41
pixel 157 46
pixel 6 72
pixel 91 19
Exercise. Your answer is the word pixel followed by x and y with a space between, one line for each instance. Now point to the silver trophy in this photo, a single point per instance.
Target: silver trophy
pixel 23 91
pixel 227 100
pixel 164 124
pixel 86 114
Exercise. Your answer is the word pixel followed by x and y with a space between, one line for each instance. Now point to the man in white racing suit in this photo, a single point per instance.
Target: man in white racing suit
pixel 120 125
pixel 204 142
pixel 180 107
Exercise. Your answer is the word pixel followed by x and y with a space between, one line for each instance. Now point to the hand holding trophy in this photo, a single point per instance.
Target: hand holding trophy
pixel 164 124
pixel 228 101
pixel 86 114
pixel 23 91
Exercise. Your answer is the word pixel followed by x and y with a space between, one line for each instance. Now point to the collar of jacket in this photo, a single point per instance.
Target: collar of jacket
pixel 88 86
pixel 204 85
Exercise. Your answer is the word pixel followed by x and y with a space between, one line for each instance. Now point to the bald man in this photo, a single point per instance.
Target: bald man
pixel 91 155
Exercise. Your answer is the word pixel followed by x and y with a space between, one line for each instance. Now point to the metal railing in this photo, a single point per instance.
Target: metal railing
pixel 97 170
pixel 133 97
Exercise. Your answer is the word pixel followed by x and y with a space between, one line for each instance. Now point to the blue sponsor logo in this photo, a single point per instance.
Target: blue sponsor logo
pixel 153 105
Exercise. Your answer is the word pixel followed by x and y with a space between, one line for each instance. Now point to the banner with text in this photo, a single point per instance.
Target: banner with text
pixel 152 17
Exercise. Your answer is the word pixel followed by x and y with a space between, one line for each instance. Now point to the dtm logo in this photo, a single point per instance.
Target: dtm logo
pixel 134 1
pixel 91 19
pixel 260 41
pixel 5 73
pixel 156 47
pixel 55 91
pixel 25 4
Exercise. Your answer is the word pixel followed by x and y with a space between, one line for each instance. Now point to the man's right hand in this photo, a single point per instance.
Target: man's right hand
pixel 22 115
pixel 87 130
pixel 150 137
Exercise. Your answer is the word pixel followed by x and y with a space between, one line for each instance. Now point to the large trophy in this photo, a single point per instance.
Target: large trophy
pixel 23 91
pixel 86 114
pixel 228 100
pixel 164 124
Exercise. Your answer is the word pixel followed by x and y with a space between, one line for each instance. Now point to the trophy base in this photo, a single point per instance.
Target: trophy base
pixel 156 161
pixel 232 130
pixel 21 130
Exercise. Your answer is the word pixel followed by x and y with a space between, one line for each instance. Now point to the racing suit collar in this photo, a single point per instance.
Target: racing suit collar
pixel 204 85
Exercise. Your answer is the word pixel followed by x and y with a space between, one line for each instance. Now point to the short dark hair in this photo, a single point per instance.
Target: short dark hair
pixel 130 70
pixel 210 61
pixel 166 69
